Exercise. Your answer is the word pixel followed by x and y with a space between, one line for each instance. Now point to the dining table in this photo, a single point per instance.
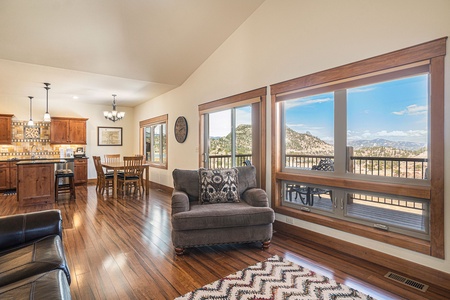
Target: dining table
pixel 116 166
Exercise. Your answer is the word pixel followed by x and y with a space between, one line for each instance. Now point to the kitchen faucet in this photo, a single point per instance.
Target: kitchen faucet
pixel 33 154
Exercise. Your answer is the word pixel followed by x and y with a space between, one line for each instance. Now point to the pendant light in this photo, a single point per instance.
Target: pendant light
pixel 31 123
pixel 114 115
pixel 47 117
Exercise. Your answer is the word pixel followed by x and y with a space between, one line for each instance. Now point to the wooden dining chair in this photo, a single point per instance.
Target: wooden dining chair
pixel 132 174
pixel 103 180
pixel 111 158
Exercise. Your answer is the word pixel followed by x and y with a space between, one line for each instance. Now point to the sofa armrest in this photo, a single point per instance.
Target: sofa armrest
pixel 23 228
pixel 256 197
pixel 180 202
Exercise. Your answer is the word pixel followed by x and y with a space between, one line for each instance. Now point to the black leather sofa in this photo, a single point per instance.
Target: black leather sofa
pixel 32 260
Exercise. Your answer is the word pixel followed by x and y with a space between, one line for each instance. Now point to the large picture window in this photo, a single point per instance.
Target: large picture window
pixel 362 145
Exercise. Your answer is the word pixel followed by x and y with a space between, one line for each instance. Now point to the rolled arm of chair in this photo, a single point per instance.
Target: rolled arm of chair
pixel 23 228
pixel 180 202
pixel 256 197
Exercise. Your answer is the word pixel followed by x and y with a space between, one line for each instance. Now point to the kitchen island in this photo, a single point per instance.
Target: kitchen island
pixel 36 181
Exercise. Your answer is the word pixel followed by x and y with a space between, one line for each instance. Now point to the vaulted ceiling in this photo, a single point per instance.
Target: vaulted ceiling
pixel 90 49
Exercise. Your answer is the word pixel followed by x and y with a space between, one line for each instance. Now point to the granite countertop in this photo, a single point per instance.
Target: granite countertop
pixel 40 158
pixel 41 161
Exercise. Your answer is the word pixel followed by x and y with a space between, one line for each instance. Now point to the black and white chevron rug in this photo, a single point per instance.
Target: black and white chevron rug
pixel 275 278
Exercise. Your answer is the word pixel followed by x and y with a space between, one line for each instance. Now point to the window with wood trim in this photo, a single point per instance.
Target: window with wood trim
pixel 153 137
pixel 232 132
pixel 360 147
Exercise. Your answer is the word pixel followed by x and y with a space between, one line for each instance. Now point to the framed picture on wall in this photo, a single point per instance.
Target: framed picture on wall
pixel 109 136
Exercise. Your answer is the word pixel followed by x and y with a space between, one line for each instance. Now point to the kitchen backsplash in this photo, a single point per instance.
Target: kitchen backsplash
pixel 31 140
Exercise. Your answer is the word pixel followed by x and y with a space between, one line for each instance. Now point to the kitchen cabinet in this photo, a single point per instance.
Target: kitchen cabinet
pixel 80 170
pixel 68 131
pixel 12 175
pixel 4 176
pixel 7 175
pixel 36 183
pixel 5 129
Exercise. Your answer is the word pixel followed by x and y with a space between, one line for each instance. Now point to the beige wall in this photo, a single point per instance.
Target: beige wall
pixel 286 39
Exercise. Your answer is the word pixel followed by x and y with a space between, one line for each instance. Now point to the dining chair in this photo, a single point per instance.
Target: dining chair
pixel 111 158
pixel 103 180
pixel 142 171
pixel 132 174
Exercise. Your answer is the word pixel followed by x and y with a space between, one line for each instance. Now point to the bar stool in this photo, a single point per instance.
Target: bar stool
pixel 65 187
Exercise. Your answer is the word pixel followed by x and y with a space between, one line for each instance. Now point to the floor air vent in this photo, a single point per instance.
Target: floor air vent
pixel 406 281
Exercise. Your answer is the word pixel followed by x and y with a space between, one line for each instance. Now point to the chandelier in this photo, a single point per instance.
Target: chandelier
pixel 114 115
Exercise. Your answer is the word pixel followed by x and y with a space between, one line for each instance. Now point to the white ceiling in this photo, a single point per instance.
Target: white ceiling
pixel 91 49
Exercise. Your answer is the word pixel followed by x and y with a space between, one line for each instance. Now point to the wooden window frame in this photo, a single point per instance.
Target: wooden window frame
pixel 163 119
pixel 254 96
pixel 433 53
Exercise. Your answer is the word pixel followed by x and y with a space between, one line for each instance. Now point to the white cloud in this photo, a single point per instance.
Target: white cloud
pixel 400 133
pixel 361 90
pixel 413 135
pixel 412 110
pixel 293 126
pixel 304 102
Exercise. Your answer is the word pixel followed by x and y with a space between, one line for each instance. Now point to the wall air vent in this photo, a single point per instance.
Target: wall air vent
pixel 406 281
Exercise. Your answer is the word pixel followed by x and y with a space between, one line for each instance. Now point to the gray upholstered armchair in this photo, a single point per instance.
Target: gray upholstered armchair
pixel 195 224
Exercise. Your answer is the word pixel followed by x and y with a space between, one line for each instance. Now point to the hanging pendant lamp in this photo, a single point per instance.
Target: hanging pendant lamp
pixel 30 122
pixel 114 115
pixel 47 117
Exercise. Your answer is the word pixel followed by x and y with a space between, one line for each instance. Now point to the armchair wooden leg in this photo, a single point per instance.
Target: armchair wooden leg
pixel 266 244
pixel 179 251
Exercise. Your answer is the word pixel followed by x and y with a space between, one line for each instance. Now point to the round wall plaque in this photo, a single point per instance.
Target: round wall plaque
pixel 181 129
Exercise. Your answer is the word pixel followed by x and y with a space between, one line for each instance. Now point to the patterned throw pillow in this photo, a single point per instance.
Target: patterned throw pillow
pixel 218 185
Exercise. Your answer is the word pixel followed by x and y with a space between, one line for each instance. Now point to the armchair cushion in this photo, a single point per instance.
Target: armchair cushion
pixel 223 215
pixel 186 181
pixel 218 186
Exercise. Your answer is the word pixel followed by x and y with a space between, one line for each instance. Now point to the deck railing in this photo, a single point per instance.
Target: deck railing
pixel 390 166
pixel 401 167
pixel 225 161
pixel 414 205
pixel 378 166
pixel 304 161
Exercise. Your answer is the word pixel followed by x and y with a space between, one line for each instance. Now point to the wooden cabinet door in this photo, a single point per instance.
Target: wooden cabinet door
pixel 77 133
pixel 59 131
pixel 80 170
pixel 12 175
pixel 4 176
pixel 36 184
pixel 5 129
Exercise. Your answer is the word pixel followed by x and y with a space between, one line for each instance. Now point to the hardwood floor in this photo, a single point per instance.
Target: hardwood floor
pixel 121 249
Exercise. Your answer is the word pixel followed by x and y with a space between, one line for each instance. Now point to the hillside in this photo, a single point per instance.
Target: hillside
pixel 305 143
pixel 297 143
pixel 382 151
pixel 221 146
pixel 360 144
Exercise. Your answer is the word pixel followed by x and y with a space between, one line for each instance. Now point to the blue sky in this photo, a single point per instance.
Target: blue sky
pixel 220 122
pixel 395 110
